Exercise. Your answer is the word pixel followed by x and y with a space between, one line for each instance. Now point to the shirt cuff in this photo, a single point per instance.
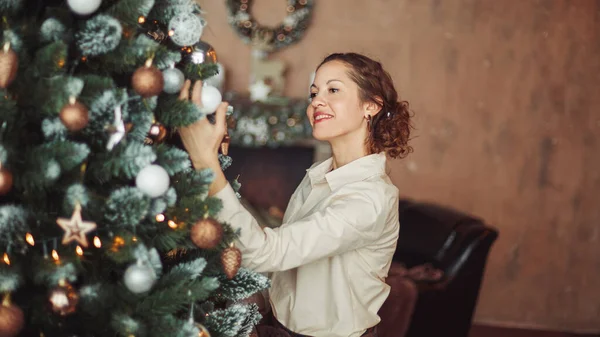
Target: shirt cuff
pixel 231 203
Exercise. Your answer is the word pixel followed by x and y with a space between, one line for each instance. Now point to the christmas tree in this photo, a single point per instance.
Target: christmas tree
pixel 105 228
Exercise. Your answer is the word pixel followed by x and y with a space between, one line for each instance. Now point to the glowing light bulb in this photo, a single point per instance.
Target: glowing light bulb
pixel 97 242
pixel 55 255
pixel 29 239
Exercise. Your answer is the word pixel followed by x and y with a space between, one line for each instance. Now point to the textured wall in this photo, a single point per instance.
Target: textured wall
pixel 506 96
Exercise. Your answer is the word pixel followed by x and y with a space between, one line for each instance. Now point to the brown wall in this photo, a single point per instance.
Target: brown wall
pixel 506 95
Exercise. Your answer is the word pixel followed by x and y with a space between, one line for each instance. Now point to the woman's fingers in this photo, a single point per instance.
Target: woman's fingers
pixel 197 93
pixel 220 116
pixel 184 94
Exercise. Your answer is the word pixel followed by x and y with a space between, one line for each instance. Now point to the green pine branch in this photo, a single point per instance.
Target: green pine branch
pixel 202 71
pixel 193 182
pixel 67 153
pixel 45 163
pixel 10 279
pixel 169 325
pixel 50 60
pixel 175 296
pixel 172 159
pixel 95 85
pixel 190 270
pixel 51 94
pixel 126 207
pixel 233 321
pixel 243 285
pixel 11 121
pixel 173 112
pixel 132 53
pixel 124 161
pixel 128 11
pixel 13 224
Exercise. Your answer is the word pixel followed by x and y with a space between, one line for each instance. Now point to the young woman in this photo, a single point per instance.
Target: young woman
pixel 330 258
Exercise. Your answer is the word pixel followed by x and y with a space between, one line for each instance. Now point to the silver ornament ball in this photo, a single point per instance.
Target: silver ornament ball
pixel 199 53
pixel 139 278
pixel 174 79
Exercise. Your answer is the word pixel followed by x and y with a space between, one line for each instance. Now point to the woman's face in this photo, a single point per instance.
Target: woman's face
pixel 335 109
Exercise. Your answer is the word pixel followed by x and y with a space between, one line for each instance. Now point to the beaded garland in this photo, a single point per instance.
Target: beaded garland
pixel 287 33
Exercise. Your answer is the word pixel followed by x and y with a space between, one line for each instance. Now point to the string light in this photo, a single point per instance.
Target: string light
pixel 171 32
pixel 29 239
pixel 6 259
pixel 79 250
pixel 97 242
pixel 172 224
pixel 118 242
pixel 141 19
pixel 134 239
pixel 55 255
pixel 160 217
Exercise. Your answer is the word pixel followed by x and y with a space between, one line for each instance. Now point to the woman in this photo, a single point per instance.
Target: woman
pixel 330 258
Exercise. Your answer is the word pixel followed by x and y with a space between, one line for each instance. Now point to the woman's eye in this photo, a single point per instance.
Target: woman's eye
pixel 333 90
pixel 312 95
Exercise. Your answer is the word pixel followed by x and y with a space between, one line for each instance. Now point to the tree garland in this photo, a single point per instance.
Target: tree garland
pixel 290 31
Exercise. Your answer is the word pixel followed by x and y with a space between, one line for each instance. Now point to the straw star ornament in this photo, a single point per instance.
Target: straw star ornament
pixel 75 228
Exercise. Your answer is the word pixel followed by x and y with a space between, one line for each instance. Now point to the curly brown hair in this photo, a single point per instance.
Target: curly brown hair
pixel 390 128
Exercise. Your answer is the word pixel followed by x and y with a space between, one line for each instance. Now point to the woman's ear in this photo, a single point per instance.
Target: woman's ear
pixel 373 107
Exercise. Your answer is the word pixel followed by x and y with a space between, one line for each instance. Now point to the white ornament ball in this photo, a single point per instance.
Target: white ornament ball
pixel 186 29
pixel 153 180
pixel 174 79
pixel 84 7
pixel 139 278
pixel 211 98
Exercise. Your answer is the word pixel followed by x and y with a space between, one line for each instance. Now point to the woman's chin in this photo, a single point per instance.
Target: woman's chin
pixel 321 136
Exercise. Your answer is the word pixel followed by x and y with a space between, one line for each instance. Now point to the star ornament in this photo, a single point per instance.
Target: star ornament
pixel 75 228
pixel 259 91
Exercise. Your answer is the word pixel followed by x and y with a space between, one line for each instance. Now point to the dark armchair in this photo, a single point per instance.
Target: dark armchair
pixel 437 272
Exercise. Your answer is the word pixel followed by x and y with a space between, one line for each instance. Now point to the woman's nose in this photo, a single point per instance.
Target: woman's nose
pixel 317 101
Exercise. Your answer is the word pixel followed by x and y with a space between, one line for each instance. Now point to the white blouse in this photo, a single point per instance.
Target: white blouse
pixel 330 258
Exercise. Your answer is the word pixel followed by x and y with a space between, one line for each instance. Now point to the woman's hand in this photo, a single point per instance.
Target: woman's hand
pixel 203 139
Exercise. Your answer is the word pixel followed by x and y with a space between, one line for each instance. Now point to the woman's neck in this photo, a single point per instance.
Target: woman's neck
pixel 346 151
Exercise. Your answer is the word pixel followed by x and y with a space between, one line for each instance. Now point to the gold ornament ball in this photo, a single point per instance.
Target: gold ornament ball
pixel 148 81
pixel 156 134
pixel 6 181
pixel 231 258
pixel 63 299
pixel 9 63
pixel 11 318
pixel 203 331
pixel 74 115
pixel 206 233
